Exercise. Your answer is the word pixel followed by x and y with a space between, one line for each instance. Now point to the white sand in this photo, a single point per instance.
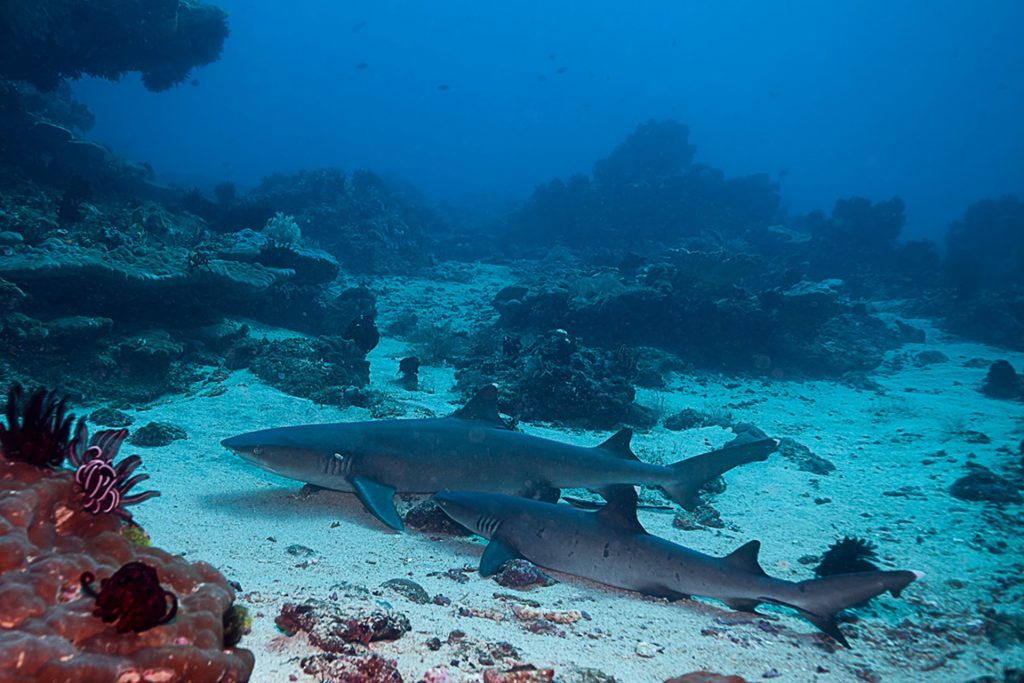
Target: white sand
pixel 216 508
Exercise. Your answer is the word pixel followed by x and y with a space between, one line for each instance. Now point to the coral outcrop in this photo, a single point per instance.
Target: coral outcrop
pixel 46 41
pixel 711 310
pixel 48 631
pixel 646 194
pixel 368 224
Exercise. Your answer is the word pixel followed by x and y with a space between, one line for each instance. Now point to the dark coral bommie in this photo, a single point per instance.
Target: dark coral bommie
pixel 105 484
pixel 847 556
pixel 38 432
pixel 132 598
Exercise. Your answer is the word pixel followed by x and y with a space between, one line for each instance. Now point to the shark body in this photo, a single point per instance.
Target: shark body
pixel 610 546
pixel 472 450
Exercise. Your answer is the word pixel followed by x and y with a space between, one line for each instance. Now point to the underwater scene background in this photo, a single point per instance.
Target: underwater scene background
pixel 459 342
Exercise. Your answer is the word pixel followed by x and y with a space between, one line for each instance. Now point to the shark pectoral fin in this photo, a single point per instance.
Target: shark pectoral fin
pixel 495 555
pixel 379 499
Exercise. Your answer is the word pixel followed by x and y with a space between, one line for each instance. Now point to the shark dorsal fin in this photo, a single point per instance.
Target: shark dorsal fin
pixel 483 407
pixel 745 558
pixel 618 444
pixel 620 512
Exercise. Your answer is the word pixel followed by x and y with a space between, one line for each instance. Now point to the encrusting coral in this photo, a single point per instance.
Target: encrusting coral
pixel 156 617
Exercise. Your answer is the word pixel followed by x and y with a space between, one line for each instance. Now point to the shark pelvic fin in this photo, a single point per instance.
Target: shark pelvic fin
pixel 743 604
pixel 483 407
pixel 618 445
pixel 745 559
pixel 826 623
pixel 620 512
pixel 495 555
pixel 379 499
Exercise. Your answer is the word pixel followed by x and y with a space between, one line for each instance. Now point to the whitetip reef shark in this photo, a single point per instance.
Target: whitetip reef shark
pixel 474 449
pixel 610 546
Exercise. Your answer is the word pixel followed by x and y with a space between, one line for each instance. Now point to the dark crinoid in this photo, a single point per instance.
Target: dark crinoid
pixel 38 431
pixel 105 484
pixel 132 598
pixel 847 556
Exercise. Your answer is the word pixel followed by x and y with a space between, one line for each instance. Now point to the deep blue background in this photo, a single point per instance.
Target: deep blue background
pixel 921 98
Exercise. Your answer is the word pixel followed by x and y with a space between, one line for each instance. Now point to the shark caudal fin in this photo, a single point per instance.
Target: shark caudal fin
pixel 689 475
pixel 819 600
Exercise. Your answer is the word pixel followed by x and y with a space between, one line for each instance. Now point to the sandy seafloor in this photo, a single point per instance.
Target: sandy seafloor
pixel 216 508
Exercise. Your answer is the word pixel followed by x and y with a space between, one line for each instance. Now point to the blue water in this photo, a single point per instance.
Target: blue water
pixel 482 101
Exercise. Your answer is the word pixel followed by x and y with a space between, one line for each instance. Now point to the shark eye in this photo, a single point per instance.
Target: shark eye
pixel 258 450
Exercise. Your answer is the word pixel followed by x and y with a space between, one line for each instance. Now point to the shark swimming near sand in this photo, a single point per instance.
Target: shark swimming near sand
pixel 610 546
pixel 474 449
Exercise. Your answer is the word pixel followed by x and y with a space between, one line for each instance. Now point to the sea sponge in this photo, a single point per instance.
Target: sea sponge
pixel 48 631
pixel 282 229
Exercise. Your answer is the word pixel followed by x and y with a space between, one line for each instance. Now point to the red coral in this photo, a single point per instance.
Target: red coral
pixel 132 598
pixel 47 628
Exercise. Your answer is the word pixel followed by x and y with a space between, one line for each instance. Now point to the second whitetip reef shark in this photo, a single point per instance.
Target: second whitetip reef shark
pixel 474 449
pixel 612 547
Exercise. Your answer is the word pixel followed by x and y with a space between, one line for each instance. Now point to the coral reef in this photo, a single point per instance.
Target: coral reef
pixel 984 266
pixel 700 306
pixel 555 378
pixel 860 236
pixel 984 250
pixel 982 484
pixel 124 304
pixel 368 224
pixel 156 434
pixel 328 370
pixel 522 574
pixel 1002 381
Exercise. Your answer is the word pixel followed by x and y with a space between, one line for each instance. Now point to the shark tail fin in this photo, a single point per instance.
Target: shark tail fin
pixel 819 600
pixel 688 476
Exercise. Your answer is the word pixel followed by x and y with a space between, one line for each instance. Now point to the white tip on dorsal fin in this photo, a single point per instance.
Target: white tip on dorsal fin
pixel 618 444
pixel 745 558
pixel 483 407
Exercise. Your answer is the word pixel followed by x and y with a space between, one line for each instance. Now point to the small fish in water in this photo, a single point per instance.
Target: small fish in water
pixel 443 87
pixel 362 65
pixel 562 69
